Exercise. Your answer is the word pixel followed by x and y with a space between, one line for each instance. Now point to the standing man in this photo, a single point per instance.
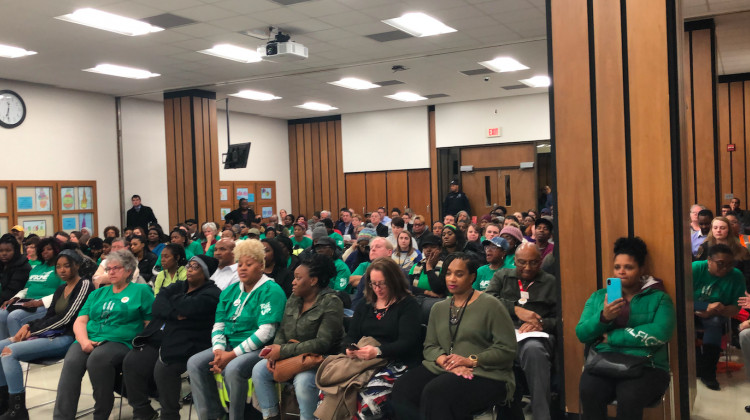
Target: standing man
pixel 456 200
pixel 140 215
pixel 242 214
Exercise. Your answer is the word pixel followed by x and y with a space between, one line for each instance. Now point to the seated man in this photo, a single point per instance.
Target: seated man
pixel 494 250
pixel 530 295
pixel 379 247
pixel 717 286
pixel 101 278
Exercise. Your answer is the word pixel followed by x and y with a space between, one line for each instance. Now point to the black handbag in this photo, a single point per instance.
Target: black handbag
pixel 616 365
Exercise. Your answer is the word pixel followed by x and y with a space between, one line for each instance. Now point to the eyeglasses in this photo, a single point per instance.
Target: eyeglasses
pixel 532 263
pixel 111 269
pixel 381 285
pixel 193 266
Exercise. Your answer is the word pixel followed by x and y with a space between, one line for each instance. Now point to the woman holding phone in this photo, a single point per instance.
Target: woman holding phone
pixel 640 323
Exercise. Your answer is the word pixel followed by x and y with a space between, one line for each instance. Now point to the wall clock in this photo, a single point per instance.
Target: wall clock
pixel 12 109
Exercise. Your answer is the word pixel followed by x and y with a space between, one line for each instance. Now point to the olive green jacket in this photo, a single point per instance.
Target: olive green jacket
pixel 319 329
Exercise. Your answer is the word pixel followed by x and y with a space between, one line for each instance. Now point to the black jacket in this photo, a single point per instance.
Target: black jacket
pixel 283 277
pixel 181 339
pixel 235 216
pixel 13 276
pixel 146 265
pixel 382 230
pixel 455 202
pixel 142 218
pixel 53 321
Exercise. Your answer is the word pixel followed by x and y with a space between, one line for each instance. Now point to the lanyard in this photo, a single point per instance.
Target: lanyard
pixel 238 311
pixel 460 316
pixel 524 292
pixel 520 286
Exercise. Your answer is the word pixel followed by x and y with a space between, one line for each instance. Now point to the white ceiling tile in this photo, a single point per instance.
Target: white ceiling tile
pixel 239 23
pixel 171 5
pixel 317 8
pixel 477 22
pixel 278 16
pixel 519 15
pixel 347 18
pixel 131 9
pixel 168 36
pixel 330 34
pixel 369 28
pixel 305 26
pixel 503 6
pixel 244 6
pixel 199 30
pixel 205 13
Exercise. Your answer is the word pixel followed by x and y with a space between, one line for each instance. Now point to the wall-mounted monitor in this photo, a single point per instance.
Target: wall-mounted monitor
pixel 236 156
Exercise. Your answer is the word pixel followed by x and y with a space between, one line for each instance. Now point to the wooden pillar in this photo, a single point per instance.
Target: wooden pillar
pixel 619 155
pixel 192 156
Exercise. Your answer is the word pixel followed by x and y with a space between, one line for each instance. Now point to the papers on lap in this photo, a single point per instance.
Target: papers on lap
pixel 533 334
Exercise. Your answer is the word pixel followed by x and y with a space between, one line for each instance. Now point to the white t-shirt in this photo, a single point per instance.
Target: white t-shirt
pixel 223 277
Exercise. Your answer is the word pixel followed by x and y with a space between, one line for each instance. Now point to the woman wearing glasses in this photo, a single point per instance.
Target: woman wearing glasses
pixel 390 315
pixel 111 317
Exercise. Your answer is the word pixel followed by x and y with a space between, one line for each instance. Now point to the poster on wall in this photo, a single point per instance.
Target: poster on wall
pixel 68 199
pixel 43 200
pixel 242 193
pixel 69 223
pixel 223 194
pixel 86 220
pixel 25 203
pixel 84 198
pixel 225 211
pixel 38 227
pixel 265 194
pixel 266 212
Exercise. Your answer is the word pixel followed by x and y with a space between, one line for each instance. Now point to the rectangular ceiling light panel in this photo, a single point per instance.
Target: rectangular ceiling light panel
pixel 233 52
pixel 354 83
pixel 255 95
pixel 122 71
pixel 419 25
pixel 8 51
pixel 110 22
pixel 503 64
pixel 406 97
pixel 316 106
pixel 537 81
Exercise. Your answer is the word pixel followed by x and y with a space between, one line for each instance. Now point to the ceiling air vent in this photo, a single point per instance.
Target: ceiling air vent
pixel 476 72
pixel 389 36
pixel 168 21
pixel 514 87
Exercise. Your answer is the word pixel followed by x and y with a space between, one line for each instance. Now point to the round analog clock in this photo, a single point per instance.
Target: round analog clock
pixel 12 109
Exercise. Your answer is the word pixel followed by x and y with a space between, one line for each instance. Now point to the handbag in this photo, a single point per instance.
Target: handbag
pixel 615 365
pixel 284 370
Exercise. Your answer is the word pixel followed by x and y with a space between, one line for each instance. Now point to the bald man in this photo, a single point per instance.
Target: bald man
pixel 226 274
pixel 530 295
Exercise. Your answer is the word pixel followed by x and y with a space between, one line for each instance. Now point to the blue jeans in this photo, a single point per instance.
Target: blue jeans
pixel 712 329
pixel 304 387
pixel 11 373
pixel 202 383
pixel 11 322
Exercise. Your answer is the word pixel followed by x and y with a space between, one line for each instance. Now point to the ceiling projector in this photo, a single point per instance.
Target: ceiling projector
pixel 282 50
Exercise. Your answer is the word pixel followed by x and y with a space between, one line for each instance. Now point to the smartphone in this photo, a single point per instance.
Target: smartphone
pixel 614 289
pixel 265 351
pixel 352 347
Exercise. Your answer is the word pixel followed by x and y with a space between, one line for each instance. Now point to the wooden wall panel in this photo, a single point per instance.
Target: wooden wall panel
pixel 419 193
pixel 200 140
pixel 746 119
pixel 317 188
pixel 433 164
pixel 737 136
pixel 376 190
pixel 613 200
pixel 169 137
pixel 703 111
pixel 356 197
pixel 722 94
pixel 575 189
pixel 494 156
pixel 333 167
pixel 398 190
pixel 339 162
pixel 187 155
pixel 301 172
pixel 309 208
pixel 213 131
pixel 293 169
pixel 687 65
pixel 325 183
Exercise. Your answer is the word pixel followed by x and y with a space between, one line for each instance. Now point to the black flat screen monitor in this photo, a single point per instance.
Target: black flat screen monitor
pixel 236 156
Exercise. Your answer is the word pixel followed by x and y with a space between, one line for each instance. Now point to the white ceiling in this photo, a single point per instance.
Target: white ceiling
pixel 333 30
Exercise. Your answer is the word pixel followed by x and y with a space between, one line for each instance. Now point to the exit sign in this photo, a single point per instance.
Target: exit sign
pixel 493 132
pixel 731 147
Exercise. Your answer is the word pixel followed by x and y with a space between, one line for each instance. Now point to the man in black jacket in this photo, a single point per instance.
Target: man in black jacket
pixel 140 215
pixel 456 200
pixel 243 214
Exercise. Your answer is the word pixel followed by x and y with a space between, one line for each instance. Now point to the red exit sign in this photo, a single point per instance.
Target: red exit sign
pixel 493 132
pixel 731 147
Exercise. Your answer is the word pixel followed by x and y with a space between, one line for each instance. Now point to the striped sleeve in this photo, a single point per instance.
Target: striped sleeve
pixel 218 339
pixel 71 312
pixel 260 337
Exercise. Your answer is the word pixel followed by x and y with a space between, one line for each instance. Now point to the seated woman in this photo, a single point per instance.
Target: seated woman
pixel 453 240
pixel 424 276
pixel 405 254
pixel 210 235
pixel 468 352
pixel 639 324
pixel 156 239
pixel 300 242
pixel 173 263
pixel 30 245
pixel 56 327
pixel 245 321
pixel 32 301
pixel 721 233
pixel 314 318
pixel 181 327
pixel 109 320
pixel 180 237
pixel 14 272
pixel 390 315
pixel 146 259
pixel 276 260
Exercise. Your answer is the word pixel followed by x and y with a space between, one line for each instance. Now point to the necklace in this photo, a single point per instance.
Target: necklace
pixel 380 313
pixel 456 320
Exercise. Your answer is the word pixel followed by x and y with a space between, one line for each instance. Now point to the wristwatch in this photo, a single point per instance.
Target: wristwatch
pixel 473 358
pixel 380 352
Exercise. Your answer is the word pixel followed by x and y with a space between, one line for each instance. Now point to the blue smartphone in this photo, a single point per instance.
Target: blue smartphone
pixel 614 289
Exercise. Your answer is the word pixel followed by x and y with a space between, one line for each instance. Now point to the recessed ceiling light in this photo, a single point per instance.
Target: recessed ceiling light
pixel 316 106
pixel 354 83
pixel 233 52
pixel 406 97
pixel 110 22
pixel 8 51
pixel 503 64
pixel 536 81
pixel 255 95
pixel 122 71
pixel 419 25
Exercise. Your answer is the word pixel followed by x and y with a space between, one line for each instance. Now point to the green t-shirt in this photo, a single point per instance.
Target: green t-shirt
pixel 338 238
pixel 484 276
pixel 43 281
pixel 361 269
pixel 341 282
pixel 210 251
pixel 240 314
pixel 194 247
pixel 509 261
pixel 709 288
pixel 34 263
pixel 424 281
pixel 118 317
pixel 304 243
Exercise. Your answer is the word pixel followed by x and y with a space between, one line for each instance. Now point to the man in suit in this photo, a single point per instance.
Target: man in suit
pixel 140 215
